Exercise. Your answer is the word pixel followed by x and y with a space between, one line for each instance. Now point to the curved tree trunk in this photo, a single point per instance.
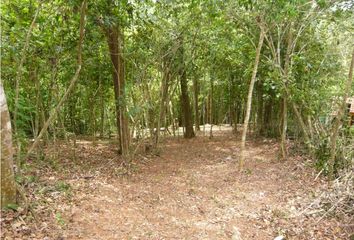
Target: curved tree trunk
pixel 249 99
pixel 73 81
pixel 8 186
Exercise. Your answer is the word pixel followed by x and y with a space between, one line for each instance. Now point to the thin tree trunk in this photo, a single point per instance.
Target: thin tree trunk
pixel 302 124
pixel 172 119
pixel 102 107
pixel 20 65
pixel 337 123
pixel 249 99
pixel 283 128
pixel 211 93
pixel 237 116
pixel 38 108
pixel 72 82
pixel 260 108
pixel 163 102
pixel 285 103
pixel 196 107
pixel 149 112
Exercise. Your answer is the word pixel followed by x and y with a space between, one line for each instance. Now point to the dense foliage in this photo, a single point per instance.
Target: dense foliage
pixel 168 47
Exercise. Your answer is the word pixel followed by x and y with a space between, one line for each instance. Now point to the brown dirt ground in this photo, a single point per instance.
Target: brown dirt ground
pixel 192 190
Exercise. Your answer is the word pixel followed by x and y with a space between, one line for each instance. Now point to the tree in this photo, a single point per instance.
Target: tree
pixel 249 98
pixel 185 102
pixel 72 82
pixel 114 32
pixel 8 186
pixel 115 42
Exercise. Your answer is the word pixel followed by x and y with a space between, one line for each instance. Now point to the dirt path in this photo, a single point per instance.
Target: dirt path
pixel 193 191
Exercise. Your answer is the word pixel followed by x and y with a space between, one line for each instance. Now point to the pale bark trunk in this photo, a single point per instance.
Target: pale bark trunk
pixel 249 100
pixel 8 186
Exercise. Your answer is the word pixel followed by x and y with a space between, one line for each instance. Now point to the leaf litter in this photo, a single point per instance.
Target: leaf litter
pixel 192 190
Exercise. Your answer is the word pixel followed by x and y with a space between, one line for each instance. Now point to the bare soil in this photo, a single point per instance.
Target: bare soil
pixel 190 190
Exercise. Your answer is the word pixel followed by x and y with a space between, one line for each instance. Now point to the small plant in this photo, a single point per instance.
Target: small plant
pixel 62 187
pixel 60 219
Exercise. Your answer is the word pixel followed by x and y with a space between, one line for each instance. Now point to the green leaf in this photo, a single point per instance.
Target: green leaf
pixel 12 206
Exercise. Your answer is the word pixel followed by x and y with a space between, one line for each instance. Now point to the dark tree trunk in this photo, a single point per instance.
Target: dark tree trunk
pixel 196 107
pixel 102 107
pixel 115 42
pixel 211 107
pixel 185 102
pixel 186 108
pixel 267 119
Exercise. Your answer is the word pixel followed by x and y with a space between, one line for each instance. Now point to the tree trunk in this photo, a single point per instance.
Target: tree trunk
pixel 337 123
pixel 196 107
pixel 302 125
pixel 211 112
pixel 186 107
pixel 38 106
pixel 284 128
pixel 163 102
pixel 102 107
pixel 8 186
pixel 285 103
pixel 115 44
pixel 249 99
pixel 260 107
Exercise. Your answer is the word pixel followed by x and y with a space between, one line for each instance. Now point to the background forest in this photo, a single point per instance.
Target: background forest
pixel 135 71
